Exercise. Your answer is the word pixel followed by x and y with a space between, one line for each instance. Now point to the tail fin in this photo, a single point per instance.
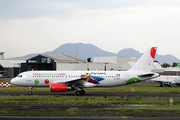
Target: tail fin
pixel 145 62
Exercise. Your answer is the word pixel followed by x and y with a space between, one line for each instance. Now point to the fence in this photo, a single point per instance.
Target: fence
pixel 5 84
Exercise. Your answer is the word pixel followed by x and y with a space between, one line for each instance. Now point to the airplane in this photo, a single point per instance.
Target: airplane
pixel 164 80
pixel 63 81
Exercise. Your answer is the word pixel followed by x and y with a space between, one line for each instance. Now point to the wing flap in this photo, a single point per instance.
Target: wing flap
pixel 74 82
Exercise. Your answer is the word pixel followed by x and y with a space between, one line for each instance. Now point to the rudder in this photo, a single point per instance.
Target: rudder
pixel 145 62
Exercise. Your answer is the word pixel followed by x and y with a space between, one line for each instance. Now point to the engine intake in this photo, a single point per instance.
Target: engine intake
pixel 167 84
pixel 55 87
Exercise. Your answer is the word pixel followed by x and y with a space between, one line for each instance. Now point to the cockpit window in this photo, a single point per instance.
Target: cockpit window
pixel 20 76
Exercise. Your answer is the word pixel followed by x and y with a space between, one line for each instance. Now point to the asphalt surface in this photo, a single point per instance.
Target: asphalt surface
pixel 97 94
pixel 75 118
pixel 86 118
pixel 132 94
pixel 55 106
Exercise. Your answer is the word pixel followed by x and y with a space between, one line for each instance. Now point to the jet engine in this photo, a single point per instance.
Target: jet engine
pixel 55 87
pixel 167 84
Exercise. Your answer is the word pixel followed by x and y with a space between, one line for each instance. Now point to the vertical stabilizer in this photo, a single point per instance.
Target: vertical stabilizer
pixel 145 62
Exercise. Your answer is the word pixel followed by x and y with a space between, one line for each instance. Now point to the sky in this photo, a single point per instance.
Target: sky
pixel 37 26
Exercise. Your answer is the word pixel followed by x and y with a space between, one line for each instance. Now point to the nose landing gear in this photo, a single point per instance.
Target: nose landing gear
pixel 30 90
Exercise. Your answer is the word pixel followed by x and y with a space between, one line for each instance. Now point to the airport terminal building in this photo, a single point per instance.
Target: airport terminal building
pixel 12 67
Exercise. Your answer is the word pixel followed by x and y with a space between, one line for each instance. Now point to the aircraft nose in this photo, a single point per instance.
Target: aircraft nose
pixel 13 81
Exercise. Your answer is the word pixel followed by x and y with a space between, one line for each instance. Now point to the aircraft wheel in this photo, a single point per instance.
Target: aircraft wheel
pixel 161 85
pixel 30 92
pixel 82 92
pixel 77 92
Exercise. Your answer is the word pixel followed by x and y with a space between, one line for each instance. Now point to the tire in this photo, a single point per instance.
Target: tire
pixel 82 92
pixel 30 92
pixel 77 92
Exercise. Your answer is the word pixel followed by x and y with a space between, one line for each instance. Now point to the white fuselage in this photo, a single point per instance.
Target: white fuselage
pixel 45 78
pixel 65 80
pixel 171 79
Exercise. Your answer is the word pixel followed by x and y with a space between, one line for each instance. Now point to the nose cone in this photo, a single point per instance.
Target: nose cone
pixel 13 81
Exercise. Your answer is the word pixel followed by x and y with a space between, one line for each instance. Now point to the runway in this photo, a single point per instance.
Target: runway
pixel 66 107
pixel 81 107
pixel 87 118
pixel 95 94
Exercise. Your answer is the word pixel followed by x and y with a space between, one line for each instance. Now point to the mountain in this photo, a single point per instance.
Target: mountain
pixel 85 51
pixel 167 59
pixel 129 52
pixel 81 50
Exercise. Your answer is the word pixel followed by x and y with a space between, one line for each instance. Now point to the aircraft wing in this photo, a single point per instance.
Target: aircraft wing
pixel 77 81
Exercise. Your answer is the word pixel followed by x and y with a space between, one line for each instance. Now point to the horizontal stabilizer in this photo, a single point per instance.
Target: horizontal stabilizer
pixel 146 75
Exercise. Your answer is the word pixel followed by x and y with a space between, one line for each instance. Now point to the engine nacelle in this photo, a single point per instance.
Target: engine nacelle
pixel 167 84
pixel 55 87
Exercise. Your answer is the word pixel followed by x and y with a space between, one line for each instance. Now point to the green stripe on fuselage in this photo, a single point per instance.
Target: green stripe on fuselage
pixel 132 80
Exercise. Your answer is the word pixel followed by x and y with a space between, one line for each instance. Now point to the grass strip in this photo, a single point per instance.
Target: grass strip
pixel 75 111
pixel 83 100
pixel 138 88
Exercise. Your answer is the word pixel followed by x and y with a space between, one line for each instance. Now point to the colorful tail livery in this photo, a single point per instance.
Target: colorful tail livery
pixel 62 81
pixel 146 61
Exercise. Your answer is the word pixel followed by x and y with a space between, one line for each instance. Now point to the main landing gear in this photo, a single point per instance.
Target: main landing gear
pixel 30 90
pixel 80 92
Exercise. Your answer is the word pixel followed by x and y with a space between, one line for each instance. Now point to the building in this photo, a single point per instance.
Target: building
pixel 122 64
pixel 60 62
pixel 175 71
pixel 11 67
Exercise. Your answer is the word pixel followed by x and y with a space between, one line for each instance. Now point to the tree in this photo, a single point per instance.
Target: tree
pixel 165 65
pixel 174 64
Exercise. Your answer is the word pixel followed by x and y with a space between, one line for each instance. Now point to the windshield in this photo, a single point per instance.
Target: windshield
pixel 20 76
